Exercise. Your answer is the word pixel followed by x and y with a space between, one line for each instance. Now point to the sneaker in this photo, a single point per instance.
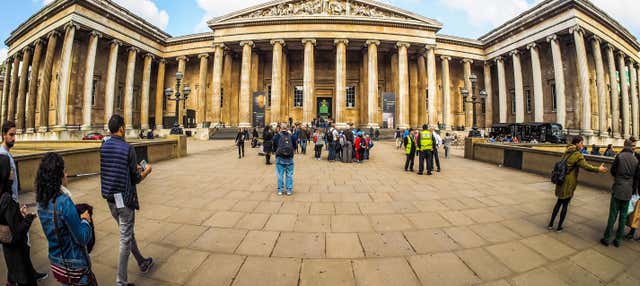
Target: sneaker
pixel 289 193
pixel 438 171
pixel 604 242
pixel 41 276
pixel 146 265
pixel 628 237
pixel 616 243
pixel 559 229
pixel 550 227
pixel 279 193
pixel 419 173
pixel 429 173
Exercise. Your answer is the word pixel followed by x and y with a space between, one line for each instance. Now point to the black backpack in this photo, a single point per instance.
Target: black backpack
pixel 285 146
pixel 560 171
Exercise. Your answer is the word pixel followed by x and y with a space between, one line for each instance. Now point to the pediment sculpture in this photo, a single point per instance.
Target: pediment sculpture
pixel 323 7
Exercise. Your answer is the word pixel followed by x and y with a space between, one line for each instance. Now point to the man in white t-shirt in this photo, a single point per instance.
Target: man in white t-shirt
pixel 437 141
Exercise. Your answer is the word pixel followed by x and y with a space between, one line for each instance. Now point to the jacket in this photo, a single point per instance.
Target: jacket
pixel 625 174
pixel 75 233
pixel 119 172
pixel 267 141
pixel 410 145
pixel 575 161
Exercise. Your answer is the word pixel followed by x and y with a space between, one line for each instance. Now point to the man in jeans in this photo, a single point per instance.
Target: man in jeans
pixel 625 172
pixel 283 143
pixel 120 173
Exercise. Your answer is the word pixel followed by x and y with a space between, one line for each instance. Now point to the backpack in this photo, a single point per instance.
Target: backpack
pixel 285 146
pixel 363 143
pixel 342 140
pixel 560 171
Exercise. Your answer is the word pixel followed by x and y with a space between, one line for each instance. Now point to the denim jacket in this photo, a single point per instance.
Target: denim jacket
pixel 74 233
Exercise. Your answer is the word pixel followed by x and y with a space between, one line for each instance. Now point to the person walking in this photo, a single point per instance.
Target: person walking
pixel 437 141
pixel 240 137
pixel 283 143
pixel 410 150
pixel 564 192
pixel 424 141
pixel 267 144
pixel 303 136
pixel 120 173
pixel 377 134
pixel 318 143
pixel 398 137
pixel 446 143
pixel 68 232
pixel 625 180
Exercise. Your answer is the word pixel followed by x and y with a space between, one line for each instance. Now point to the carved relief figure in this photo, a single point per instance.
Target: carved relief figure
pixel 322 7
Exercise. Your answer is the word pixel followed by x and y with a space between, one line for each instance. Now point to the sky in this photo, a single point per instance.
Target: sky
pixel 463 18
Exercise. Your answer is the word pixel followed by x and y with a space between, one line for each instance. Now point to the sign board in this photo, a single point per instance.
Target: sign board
pixel 258 109
pixel 388 109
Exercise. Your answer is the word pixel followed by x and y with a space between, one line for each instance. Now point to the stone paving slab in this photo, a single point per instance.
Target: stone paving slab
pixel 352 224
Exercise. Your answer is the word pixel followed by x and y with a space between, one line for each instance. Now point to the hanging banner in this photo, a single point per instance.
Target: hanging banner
pixel 258 109
pixel 388 109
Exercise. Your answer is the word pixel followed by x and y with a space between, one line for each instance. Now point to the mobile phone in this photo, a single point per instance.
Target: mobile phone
pixel 143 164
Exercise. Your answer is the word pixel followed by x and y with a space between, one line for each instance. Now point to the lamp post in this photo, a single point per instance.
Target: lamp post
pixel 178 96
pixel 475 99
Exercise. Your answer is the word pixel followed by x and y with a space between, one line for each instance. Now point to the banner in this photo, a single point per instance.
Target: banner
pixel 388 109
pixel 258 108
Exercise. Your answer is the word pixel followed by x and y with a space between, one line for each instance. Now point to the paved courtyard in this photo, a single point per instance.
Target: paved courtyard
pixel 211 219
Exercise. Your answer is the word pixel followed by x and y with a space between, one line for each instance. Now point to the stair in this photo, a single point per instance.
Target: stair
pixel 224 133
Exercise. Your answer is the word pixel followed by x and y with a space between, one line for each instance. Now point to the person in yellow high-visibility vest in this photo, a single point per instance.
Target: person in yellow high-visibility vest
pixel 424 141
pixel 410 150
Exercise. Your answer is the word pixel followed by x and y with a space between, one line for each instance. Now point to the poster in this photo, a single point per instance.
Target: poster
pixel 388 109
pixel 258 109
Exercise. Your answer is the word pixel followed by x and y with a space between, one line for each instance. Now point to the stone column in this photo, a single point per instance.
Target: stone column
pixel 602 94
pixel 182 66
pixel 538 96
pixel 128 88
pixel 624 87
pixel 341 81
pixel 159 114
pixel 558 72
pixel 422 91
pixel 309 80
pixel 446 93
pixel 5 89
pixel 22 89
pixel 65 76
pixel 201 115
pixel 276 81
pixel 583 80
pixel 372 82
pixel 245 85
pixel 615 93
pixel 45 83
pixel 403 89
pixel 216 84
pixel 109 90
pixel 13 90
pixel 634 98
pixel 488 114
pixel 468 115
pixel 30 108
pixel 414 83
pixel 502 90
pixel 144 94
pixel 519 89
pixel 431 84
pixel 88 80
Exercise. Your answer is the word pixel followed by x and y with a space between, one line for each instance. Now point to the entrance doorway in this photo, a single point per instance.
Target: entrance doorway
pixel 324 108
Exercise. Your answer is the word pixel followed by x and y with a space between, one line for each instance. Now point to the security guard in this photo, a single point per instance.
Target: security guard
pixel 425 148
pixel 410 150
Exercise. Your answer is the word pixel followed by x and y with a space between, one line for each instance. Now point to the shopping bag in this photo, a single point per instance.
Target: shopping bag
pixel 632 203
pixel 633 219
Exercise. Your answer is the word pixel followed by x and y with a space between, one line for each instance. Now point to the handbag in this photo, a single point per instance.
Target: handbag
pixel 66 276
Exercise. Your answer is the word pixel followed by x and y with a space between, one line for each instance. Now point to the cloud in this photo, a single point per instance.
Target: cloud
pixel 622 11
pixel 148 10
pixel 213 8
pixel 497 12
pixel 3 54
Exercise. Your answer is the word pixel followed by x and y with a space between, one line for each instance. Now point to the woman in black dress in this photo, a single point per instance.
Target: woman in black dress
pixel 16 254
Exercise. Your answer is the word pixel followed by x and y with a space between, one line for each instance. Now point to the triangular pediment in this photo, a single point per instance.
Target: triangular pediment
pixel 324 8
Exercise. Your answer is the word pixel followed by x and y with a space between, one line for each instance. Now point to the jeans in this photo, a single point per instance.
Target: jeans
pixel 284 168
pixel 446 151
pixel 303 146
pixel 436 158
pixel 318 149
pixel 425 155
pixel 408 164
pixel 565 205
pixel 332 151
pixel 240 150
pixel 125 217
pixel 617 209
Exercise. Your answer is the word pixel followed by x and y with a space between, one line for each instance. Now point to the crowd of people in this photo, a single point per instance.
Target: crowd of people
pixel 425 145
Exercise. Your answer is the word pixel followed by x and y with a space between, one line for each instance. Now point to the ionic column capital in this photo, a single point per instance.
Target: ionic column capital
pixel 203 55
pixel 245 43
pixel 17 56
pixel 498 59
pixel 610 47
pixel 372 42
pixel 27 49
pixel 53 33
pixel 278 41
pixel 552 38
pixel 487 63
pixel 182 58
pixel 218 45
pixel 37 42
pixel 429 47
pixel 162 61
pixel 514 53
pixel 116 42
pixel 341 41
pixel 149 55
pixel 95 33
pixel 532 46
pixel 576 29
pixel 469 61
pixel 621 54
pixel 312 41
pixel 403 44
pixel 71 24
pixel 445 58
pixel 133 49
pixel 595 38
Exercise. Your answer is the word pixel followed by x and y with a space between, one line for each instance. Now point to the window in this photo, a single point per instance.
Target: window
pixel 527 95
pixel 269 95
pixel 94 90
pixel 351 96
pixel 119 97
pixel 554 98
pixel 298 93
pixel 513 101
pixel 221 97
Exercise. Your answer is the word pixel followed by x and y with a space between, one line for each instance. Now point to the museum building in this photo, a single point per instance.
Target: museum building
pixel 74 63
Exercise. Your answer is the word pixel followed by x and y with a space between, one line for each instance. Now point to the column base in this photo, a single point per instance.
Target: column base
pixel 587 132
pixel 244 125
pixel 19 131
pixel 30 130
pixel 86 127
pixel 144 127
pixel 376 126
pixel 403 126
pixel 131 133
pixel 59 128
pixel 616 135
pixel 43 129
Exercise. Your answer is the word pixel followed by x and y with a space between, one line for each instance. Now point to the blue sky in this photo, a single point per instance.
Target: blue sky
pixel 464 18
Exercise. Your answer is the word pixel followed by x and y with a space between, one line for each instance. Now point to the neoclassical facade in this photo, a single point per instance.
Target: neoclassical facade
pixel 75 63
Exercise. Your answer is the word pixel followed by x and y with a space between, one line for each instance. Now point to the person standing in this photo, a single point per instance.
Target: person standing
pixel 303 135
pixel 332 138
pixel 424 141
pixel 347 148
pixel 120 173
pixel 361 146
pixel 410 150
pixel 240 137
pixel 283 143
pixel 609 152
pixel 398 137
pixel 377 134
pixel 267 144
pixel 68 232
pixel 564 192
pixel 437 141
pixel 318 140
pixel 447 145
pixel 625 179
